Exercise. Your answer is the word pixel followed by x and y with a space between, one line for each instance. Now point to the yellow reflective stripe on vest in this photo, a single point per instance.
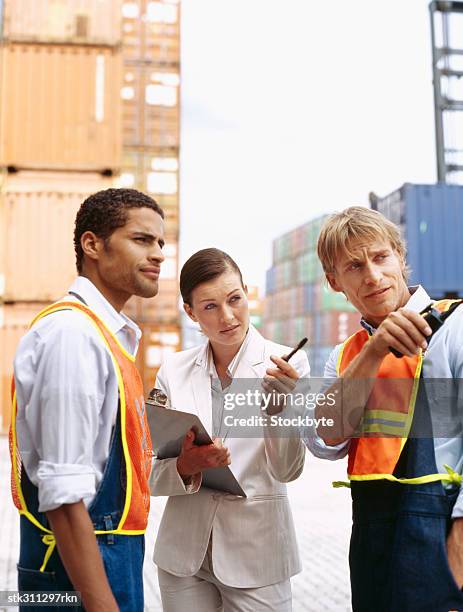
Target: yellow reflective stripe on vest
pixel 382 421
pixel 399 417
pixel 24 511
pixel 416 384
pixel 48 539
pixel 392 431
pixel 450 477
pixel 58 307
pixel 341 353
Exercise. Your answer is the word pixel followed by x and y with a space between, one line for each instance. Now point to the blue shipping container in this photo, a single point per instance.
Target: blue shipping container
pixel 431 221
pixel 318 356
pixel 308 303
pixel 270 280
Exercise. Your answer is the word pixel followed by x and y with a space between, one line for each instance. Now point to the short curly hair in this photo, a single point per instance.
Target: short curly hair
pixel 105 211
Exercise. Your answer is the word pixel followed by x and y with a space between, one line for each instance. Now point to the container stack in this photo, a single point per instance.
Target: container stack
pixel 256 306
pixel 60 121
pixel 150 95
pixel 298 301
pixel 430 218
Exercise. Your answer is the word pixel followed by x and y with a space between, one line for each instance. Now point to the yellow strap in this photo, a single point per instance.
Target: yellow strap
pixel 382 428
pixel 450 477
pixel 66 305
pixel 454 476
pixel 48 540
pixel 387 415
pixel 120 532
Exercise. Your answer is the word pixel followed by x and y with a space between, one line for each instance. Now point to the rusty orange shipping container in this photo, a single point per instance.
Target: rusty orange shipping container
pixel 154 171
pixel 77 21
pixel 37 213
pixel 151 31
pixel 157 341
pixel 162 309
pixel 151 106
pixel 60 107
pixel 14 322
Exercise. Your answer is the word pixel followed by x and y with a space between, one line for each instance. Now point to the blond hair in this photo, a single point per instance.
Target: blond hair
pixel 357 222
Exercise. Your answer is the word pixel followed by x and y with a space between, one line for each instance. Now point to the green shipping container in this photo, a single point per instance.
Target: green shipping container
pixel 299 329
pixel 315 270
pixel 316 226
pixel 305 266
pixel 278 332
pixel 287 277
pixel 282 248
pixel 311 231
pixel 332 300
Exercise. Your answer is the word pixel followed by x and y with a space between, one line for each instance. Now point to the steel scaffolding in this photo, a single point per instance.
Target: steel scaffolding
pixel 447 63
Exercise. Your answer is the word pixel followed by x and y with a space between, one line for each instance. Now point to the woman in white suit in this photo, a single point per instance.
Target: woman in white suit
pixel 214 550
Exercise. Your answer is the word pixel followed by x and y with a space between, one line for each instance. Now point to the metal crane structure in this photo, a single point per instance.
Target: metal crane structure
pixel 447 64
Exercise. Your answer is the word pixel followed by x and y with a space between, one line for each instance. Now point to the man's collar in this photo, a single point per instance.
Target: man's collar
pixel 417 302
pixel 95 300
pixel 419 299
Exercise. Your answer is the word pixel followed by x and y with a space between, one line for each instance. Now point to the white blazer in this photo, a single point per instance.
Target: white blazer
pixel 253 538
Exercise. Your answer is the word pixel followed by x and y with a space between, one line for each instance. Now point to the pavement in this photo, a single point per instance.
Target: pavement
pixel 322 516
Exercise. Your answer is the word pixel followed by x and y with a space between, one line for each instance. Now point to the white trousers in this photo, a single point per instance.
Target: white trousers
pixel 203 592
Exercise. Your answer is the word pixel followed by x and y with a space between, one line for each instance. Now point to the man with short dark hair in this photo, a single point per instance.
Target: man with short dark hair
pixel 406 550
pixel 81 450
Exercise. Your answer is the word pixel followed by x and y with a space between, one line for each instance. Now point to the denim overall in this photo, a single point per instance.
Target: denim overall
pixel 122 554
pixel 398 556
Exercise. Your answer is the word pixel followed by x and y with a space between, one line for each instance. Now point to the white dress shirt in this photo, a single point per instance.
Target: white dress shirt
pixel 67 397
pixel 218 392
pixel 443 359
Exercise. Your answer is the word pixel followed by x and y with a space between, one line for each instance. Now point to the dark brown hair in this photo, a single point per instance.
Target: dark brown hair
pixel 202 267
pixel 105 211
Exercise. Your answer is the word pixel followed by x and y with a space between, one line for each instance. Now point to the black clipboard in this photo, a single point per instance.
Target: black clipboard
pixel 168 429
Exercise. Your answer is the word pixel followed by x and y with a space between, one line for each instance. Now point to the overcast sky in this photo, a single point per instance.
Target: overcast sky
pixel 295 108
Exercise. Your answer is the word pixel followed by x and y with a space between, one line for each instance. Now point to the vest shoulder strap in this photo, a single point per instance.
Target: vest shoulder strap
pixel 446 307
pixel 438 312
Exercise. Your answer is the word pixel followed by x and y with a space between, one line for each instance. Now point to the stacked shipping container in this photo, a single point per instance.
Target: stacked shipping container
pixel 256 306
pixel 298 301
pixel 56 107
pixel 150 95
pixel 60 120
pixel 79 79
pixel 430 218
pixel 60 73
pixel 37 215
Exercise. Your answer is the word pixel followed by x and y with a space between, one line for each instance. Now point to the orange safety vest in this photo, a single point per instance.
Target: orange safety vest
pixel 136 439
pixel 388 414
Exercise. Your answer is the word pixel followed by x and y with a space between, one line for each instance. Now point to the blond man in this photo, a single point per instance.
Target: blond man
pixel 406 549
